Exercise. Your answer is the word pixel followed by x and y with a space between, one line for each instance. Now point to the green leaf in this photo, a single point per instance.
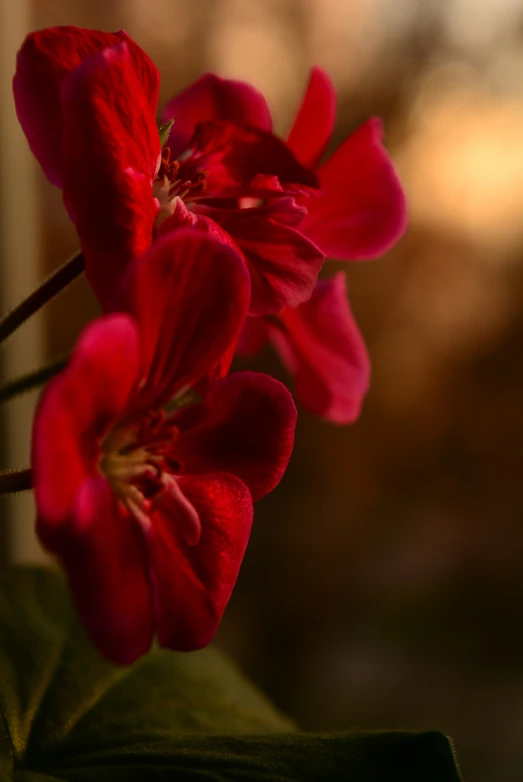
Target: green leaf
pixel 164 131
pixel 69 715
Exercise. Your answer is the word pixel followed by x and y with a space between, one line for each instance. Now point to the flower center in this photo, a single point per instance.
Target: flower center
pixel 176 179
pixel 137 461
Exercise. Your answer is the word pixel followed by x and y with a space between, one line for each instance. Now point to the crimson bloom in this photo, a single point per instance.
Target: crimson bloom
pixel 87 102
pixel 145 498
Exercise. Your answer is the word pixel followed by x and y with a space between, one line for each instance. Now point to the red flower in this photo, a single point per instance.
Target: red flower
pixel 87 103
pixel 145 499
pixel 321 346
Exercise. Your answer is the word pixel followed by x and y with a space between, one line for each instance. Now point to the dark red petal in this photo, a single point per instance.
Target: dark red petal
pixel 245 427
pixel 104 554
pixel 212 98
pixel 314 121
pixel 188 294
pixel 44 61
pixel 255 334
pixel 111 150
pixel 363 210
pixel 233 155
pixel 74 411
pixel 323 349
pixel 282 262
pixel 192 584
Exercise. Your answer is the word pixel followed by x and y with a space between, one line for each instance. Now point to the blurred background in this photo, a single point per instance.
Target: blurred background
pixel 383 587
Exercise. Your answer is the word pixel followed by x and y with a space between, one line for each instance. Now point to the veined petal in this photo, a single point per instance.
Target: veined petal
pixel 314 121
pixel 104 555
pixel 282 262
pixel 362 211
pixel 192 584
pixel 111 150
pixel 74 412
pixel 212 98
pixel 244 427
pixel 188 294
pixel 322 348
pixel 44 61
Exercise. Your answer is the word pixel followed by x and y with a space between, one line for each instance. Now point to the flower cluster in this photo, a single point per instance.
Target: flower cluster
pixel 202 236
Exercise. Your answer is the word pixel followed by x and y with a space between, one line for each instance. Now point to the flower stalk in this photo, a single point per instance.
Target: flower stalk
pixel 24 383
pixel 59 280
pixel 13 481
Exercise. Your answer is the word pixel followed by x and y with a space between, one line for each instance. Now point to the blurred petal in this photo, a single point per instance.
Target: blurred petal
pixel 188 294
pixel 74 412
pixel 314 122
pixel 111 150
pixel 245 427
pixel 323 349
pixel 212 98
pixel 363 211
pixel 44 61
pixel 255 334
pixel 282 262
pixel 104 554
pixel 192 584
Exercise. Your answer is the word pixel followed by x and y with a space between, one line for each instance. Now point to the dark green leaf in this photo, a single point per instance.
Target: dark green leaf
pixel 69 716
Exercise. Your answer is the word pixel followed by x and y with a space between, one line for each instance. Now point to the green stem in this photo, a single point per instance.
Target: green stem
pixel 32 380
pixel 12 481
pixel 47 290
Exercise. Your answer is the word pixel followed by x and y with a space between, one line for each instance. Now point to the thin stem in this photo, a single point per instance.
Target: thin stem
pixel 47 290
pixel 32 380
pixel 12 481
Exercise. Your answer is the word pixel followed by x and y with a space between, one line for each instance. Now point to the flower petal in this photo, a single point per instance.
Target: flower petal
pixel 192 584
pixel 314 121
pixel 212 98
pixel 282 262
pixel 188 294
pixel 323 349
pixel 111 151
pixel 244 427
pixel 104 554
pixel 74 411
pixel 233 155
pixel 255 334
pixel 44 61
pixel 363 211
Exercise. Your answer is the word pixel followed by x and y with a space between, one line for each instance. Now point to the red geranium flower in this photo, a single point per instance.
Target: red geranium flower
pixel 87 102
pixel 320 345
pixel 147 500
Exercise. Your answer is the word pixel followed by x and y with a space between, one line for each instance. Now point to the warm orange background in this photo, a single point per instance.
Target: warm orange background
pixel 384 582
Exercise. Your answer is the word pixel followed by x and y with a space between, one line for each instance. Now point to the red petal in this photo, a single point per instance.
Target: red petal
pixel 255 334
pixel 111 149
pixel 44 61
pixel 189 294
pixel 212 98
pixel 363 211
pixel 104 554
pixel 233 155
pixel 282 262
pixel 314 122
pixel 192 583
pixel 244 427
pixel 73 414
pixel 323 349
